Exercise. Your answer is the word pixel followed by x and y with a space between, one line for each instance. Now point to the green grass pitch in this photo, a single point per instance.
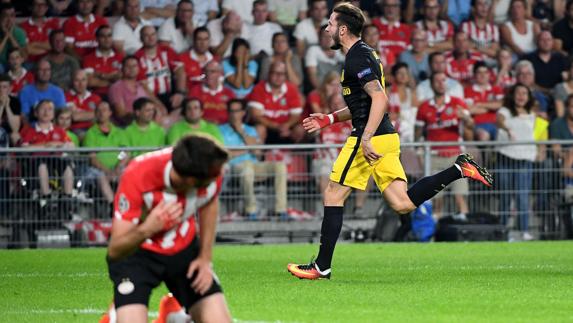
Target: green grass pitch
pixel 457 282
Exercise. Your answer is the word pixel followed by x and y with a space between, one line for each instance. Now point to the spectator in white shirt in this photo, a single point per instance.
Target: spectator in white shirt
pixel 424 90
pixel 242 7
pixel 205 10
pixel 288 12
pixel 177 32
pixel 224 31
pixel 320 59
pixel 261 31
pixel 306 32
pixel 157 11
pixel 127 29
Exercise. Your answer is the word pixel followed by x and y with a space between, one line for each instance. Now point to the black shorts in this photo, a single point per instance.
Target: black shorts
pixel 137 275
pixel 56 165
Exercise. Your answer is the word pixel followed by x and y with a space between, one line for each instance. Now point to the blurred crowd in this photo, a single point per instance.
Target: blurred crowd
pixel 129 73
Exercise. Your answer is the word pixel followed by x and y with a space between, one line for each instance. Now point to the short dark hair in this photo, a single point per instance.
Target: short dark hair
pixel 128 57
pixel 53 34
pixel 196 156
pixel 397 67
pixel 5 78
pixel 100 28
pixel 278 34
pixel 433 75
pixel 200 30
pixel 141 102
pixel 188 100
pixel 236 44
pixel 6 6
pixel 351 17
pixel 432 56
pixel 568 5
pixel 233 101
pixel 479 65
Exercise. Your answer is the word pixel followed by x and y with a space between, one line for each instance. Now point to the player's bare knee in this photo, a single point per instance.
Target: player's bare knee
pixel 403 207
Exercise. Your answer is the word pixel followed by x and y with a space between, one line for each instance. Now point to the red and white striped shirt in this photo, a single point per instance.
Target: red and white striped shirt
pixel 18 82
pixel 81 33
pixel 461 70
pixel 481 37
pixel 395 36
pixel 137 195
pixel 444 31
pixel 157 70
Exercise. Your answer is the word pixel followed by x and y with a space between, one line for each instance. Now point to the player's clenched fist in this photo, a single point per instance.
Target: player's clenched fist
pixel 163 217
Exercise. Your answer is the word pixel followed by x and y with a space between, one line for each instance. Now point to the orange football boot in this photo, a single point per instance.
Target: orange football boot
pixel 471 169
pixel 308 271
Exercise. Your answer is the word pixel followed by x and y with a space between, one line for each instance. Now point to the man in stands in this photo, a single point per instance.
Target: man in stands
pixel 82 103
pixel 192 123
pixel 18 74
pixel 424 90
pixel 11 36
pixel 80 30
pixel 127 30
pixel 276 108
pixel 483 35
pixel 460 61
pixel 42 89
pixel 224 31
pixel 63 65
pixel 157 66
pixel 439 32
pixel 38 28
pixel 103 65
pixel 261 31
pixel 213 94
pixel 195 59
pixel 306 32
pixel 393 34
pixel 143 131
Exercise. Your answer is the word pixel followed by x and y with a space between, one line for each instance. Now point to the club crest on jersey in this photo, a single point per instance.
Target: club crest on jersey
pixel 449 111
pixel 123 203
pixel 364 72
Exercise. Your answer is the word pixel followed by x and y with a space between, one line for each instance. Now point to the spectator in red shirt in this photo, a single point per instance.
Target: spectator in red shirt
pixel 483 100
pixel 44 134
pixel 460 60
pixel 442 118
pixel 80 30
pixel 393 34
pixel 157 65
pixel 82 102
pixel 196 58
pixel 103 65
pixel 38 28
pixel 18 74
pixel 483 34
pixel 439 32
pixel 213 94
pixel 276 108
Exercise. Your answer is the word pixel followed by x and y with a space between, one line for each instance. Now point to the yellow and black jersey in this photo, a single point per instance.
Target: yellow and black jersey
pixel 362 65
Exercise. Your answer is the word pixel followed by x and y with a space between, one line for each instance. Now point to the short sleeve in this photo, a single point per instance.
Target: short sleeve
pixel 420 119
pixel 364 68
pixel 311 57
pixel 116 34
pixel 504 112
pixel 163 34
pixel 59 98
pixel 299 31
pixel 128 201
pixel 228 69
pixel 253 68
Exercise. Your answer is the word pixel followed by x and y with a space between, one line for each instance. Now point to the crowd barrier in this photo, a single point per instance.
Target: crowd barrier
pixel 537 195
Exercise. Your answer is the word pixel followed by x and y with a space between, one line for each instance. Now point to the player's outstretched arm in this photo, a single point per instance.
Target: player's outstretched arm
pixel 317 121
pixel 126 236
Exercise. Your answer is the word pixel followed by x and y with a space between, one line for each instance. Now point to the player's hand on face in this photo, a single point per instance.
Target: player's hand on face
pixel 369 153
pixel 203 280
pixel 315 122
pixel 164 217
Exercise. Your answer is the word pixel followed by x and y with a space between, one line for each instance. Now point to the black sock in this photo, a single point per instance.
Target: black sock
pixel 429 186
pixel 329 232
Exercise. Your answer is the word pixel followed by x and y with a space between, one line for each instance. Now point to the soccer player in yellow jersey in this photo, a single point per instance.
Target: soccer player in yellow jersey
pixel 373 148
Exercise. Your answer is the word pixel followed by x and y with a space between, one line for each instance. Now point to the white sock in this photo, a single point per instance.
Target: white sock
pixel 178 317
